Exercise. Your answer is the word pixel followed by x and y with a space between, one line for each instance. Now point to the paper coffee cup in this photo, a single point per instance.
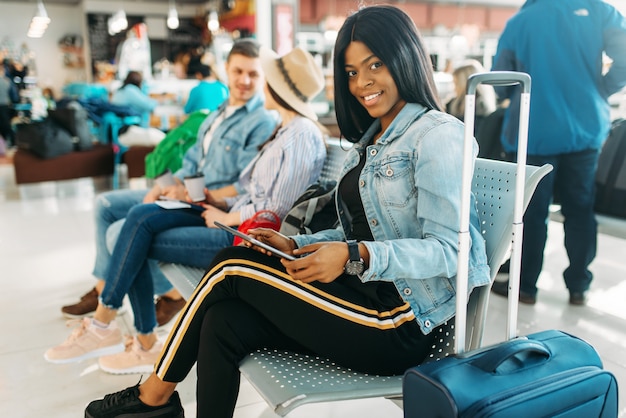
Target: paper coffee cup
pixel 195 187
pixel 165 179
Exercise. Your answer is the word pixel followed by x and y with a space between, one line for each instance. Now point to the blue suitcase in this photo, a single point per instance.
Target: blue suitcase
pixel 546 374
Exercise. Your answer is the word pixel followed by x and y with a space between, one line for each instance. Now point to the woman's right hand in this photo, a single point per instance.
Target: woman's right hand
pixel 274 238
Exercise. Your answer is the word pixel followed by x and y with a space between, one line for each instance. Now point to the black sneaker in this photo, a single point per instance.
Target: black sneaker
pixel 126 403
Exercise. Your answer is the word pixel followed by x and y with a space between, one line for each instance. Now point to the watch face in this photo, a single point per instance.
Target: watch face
pixel 354 268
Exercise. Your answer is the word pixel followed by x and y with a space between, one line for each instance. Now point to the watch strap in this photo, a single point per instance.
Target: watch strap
pixel 353 250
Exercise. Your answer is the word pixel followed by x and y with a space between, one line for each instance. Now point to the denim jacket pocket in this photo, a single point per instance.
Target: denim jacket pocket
pixel 394 181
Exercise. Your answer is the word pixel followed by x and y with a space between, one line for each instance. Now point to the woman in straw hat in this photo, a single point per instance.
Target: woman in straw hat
pixel 287 163
pixel 367 294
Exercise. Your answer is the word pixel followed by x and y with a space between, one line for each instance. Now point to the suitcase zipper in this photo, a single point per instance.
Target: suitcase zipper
pixel 529 390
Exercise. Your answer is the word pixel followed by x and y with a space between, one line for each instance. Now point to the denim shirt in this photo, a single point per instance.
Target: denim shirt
pixel 411 192
pixel 235 143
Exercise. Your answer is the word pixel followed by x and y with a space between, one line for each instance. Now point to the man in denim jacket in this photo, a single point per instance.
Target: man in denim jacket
pixel 227 141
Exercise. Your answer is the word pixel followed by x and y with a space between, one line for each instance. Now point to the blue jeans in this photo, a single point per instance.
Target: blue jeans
pixel 573 182
pixel 111 207
pixel 151 232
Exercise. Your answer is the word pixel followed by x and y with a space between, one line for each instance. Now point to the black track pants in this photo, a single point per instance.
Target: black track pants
pixel 246 301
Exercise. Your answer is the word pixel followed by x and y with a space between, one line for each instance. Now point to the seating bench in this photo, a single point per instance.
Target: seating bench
pixel 287 380
pixel 30 168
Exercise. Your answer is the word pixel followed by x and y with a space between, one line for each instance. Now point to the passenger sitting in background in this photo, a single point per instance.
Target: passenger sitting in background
pixel 486 101
pixel 208 94
pixel 488 116
pixel 130 94
pixel 227 141
pixel 289 161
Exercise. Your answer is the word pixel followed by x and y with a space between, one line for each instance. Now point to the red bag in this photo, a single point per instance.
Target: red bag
pixel 261 219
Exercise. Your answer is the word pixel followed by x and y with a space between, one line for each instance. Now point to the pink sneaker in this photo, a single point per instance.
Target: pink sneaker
pixel 86 341
pixel 133 360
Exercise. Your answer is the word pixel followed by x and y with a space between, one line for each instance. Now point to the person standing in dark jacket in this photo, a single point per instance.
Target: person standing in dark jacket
pixel 6 131
pixel 560 44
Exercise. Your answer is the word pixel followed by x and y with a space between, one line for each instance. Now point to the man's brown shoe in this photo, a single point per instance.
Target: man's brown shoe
pixel 87 305
pixel 167 308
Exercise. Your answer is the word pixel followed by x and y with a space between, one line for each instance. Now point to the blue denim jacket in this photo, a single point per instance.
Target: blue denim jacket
pixel 235 143
pixel 411 191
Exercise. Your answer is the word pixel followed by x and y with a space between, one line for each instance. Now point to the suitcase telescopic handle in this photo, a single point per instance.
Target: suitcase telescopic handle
pixel 499 79
pixel 494 78
pixel 491 360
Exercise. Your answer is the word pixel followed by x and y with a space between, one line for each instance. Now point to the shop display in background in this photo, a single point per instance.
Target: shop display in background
pixel 71 46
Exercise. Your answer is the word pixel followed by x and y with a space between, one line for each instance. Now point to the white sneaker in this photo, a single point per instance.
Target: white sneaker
pixel 133 360
pixel 86 341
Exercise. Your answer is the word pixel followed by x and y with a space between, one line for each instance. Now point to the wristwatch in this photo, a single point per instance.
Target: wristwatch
pixel 355 265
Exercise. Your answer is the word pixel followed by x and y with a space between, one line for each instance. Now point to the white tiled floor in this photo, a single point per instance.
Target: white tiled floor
pixel 46 255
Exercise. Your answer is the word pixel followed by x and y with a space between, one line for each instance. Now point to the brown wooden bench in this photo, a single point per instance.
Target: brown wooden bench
pixel 30 168
pixel 98 161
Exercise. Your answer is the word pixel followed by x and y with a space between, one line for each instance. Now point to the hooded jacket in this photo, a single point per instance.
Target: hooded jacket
pixel 559 43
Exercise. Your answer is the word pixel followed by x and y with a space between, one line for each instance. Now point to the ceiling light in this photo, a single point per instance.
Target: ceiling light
pixel 172 16
pixel 39 23
pixel 117 22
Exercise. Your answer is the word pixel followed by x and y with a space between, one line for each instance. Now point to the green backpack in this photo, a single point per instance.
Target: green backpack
pixel 170 151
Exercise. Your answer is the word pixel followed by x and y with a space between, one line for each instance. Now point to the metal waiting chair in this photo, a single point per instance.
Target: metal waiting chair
pixel 287 380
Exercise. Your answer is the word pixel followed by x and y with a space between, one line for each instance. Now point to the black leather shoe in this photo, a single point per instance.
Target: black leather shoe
pixel 502 289
pixel 577 298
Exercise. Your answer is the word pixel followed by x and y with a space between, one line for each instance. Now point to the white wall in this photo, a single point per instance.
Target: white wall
pixel 14 20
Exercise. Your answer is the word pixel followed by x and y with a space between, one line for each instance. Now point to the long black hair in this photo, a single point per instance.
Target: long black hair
pixel 393 37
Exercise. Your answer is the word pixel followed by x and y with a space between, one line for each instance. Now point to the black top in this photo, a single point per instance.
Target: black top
pixel 349 192
pixel 383 292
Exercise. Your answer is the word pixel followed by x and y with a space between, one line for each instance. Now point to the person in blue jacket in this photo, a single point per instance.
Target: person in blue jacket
pixel 130 94
pixel 368 294
pixel 560 44
pixel 208 94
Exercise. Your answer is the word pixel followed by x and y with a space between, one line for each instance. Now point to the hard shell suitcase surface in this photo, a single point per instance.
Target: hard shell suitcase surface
pixel 546 374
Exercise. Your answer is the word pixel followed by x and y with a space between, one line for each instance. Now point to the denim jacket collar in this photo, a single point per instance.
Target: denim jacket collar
pixel 405 118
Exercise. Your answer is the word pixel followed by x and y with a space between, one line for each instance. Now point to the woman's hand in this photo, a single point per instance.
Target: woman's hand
pixel 322 262
pixel 212 214
pixel 271 237
pixel 176 192
pixel 211 199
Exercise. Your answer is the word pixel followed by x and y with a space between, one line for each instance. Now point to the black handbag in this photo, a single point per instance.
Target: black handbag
pixel 45 138
pixel 75 120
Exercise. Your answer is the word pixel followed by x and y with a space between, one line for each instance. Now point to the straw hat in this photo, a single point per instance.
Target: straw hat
pixel 295 77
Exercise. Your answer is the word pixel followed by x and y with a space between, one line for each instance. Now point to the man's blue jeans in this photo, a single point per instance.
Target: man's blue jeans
pixel 111 207
pixel 151 232
pixel 573 182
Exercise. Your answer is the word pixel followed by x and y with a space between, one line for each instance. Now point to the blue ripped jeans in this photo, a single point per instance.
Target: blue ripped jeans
pixel 153 233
